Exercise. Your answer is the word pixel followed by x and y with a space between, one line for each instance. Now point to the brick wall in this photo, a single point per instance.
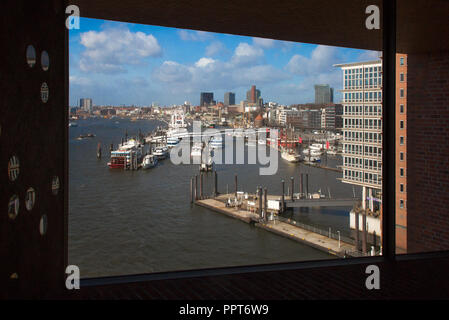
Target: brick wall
pixel 428 152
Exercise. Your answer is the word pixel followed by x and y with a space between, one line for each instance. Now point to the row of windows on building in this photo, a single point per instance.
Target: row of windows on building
pixel 355 175
pixel 373 110
pixel 356 149
pixel 369 164
pixel 358 136
pixel 372 124
pixel 371 96
pixel 352 71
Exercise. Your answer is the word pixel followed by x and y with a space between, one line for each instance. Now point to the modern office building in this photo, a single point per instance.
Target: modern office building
pixel 324 94
pixel 401 153
pixel 86 104
pixel 362 129
pixel 206 98
pixel 332 115
pixel 253 96
pixel 229 98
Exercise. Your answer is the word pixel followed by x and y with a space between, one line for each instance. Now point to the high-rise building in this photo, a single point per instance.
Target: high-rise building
pixel 362 129
pixel 324 94
pixel 229 98
pixel 206 98
pixel 253 95
pixel 401 153
pixel 86 104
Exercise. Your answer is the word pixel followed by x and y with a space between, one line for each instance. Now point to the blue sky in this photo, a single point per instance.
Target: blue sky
pixel 121 63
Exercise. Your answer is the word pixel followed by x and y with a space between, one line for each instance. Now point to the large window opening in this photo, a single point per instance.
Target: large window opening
pixel 133 88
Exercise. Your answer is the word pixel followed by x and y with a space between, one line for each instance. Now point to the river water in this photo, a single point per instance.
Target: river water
pixel 132 222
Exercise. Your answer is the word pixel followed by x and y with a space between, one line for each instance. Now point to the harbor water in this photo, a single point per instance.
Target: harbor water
pixel 133 222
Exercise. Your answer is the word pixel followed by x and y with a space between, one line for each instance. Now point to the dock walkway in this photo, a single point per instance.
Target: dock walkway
pixel 296 233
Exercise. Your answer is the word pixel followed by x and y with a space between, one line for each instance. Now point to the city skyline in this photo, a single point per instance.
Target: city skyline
pixel 129 64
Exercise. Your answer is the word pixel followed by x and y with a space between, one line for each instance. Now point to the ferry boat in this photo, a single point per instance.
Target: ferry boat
pixel 216 142
pixel 161 153
pixel 149 161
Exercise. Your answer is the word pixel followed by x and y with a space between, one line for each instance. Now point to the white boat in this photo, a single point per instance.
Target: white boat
pixel 73 124
pixel 316 146
pixel 311 152
pixel 149 161
pixel 312 158
pixel 216 142
pixel 161 153
pixel 290 156
pixel 197 149
pixel 172 142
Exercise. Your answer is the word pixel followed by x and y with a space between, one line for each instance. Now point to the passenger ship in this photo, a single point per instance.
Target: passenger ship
pixel 128 155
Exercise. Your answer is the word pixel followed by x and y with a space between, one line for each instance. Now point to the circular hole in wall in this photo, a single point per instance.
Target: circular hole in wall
pixel 13 207
pixel 30 198
pixel 45 60
pixel 43 225
pixel 31 56
pixel 55 185
pixel 13 168
pixel 44 92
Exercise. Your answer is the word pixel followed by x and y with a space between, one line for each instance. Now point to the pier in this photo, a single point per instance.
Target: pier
pixel 264 211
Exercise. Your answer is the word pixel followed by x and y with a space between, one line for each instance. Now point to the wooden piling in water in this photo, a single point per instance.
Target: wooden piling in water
pixel 307 185
pixel 201 185
pixel 191 190
pixel 196 187
pixel 215 184
pixel 259 199
pixel 235 185
pixel 283 197
pixel 292 188
pixel 301 187
pixel 265 204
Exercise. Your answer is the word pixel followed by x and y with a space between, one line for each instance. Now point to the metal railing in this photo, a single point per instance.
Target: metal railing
pixel 322 232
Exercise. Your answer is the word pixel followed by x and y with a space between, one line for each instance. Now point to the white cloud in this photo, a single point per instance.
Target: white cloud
pixel 80 81
pixel 270 43
pixel 246 54
pixel 264 43
pixel 369 55
pixel 194 35
pixel 171 71
pixel 108 51
pixel 204 62
pixel 216 48
pixel 321 60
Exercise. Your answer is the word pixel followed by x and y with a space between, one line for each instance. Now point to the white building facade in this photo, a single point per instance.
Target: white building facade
pixel 362 127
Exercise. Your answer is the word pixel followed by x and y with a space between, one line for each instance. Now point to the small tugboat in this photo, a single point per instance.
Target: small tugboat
pixel 149 161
